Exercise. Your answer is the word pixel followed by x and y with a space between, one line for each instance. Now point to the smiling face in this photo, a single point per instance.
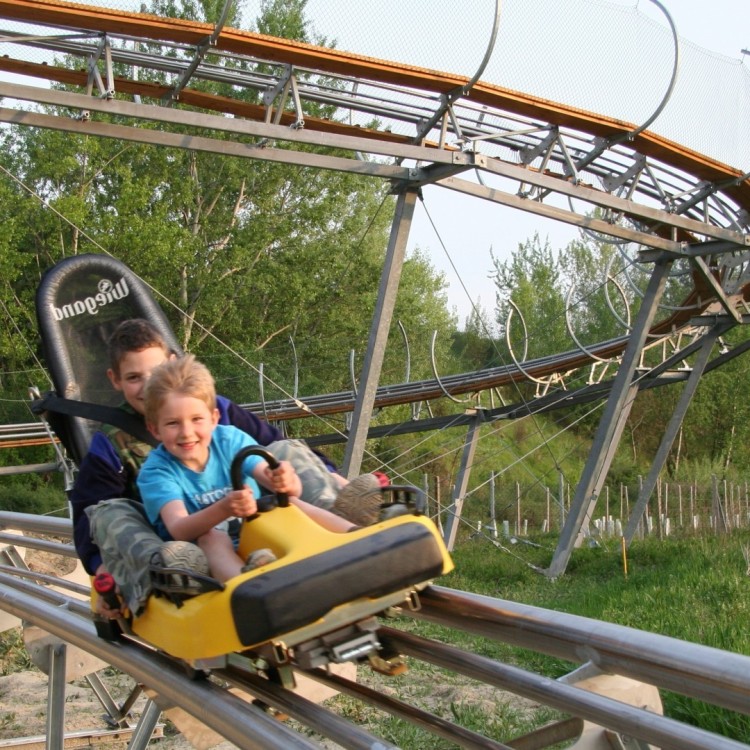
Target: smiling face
pixel 134 370
pixel 184 425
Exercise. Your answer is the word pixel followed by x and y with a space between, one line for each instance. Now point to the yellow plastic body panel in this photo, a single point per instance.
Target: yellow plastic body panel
pixel 220 622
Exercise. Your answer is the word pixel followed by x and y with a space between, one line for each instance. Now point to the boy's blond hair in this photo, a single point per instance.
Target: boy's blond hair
pixel 185 376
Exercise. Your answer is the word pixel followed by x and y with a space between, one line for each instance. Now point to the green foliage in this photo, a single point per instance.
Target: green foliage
pixel 33 495
pixel 597 299
pixel 581 295
pixel 529 288
pixel 13 658
pixel 478 346
pixel 718 424
pixel 285 19
pixel 247 258
pixel 208 11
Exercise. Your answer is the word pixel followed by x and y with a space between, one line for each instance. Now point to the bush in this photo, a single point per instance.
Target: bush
pixel 34 497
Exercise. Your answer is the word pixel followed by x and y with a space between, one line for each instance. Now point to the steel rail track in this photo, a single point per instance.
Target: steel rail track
pixel 711 675
pixel 705 673
pixel 70 620
pixel 241 723
pixel 613 648
pixel 457 384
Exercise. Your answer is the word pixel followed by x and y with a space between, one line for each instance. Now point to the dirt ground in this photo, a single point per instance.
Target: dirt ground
pixel 23 711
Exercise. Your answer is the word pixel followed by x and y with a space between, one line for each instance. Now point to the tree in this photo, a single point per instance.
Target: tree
pixel 598 299
pixel 477 346
pixel 243 255
pixel 717 426
pixel 529 294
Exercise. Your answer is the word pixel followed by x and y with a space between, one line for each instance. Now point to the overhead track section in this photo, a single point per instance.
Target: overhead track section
pixel 539 154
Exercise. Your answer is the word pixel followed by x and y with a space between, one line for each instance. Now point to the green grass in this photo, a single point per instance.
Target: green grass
pixel 694 589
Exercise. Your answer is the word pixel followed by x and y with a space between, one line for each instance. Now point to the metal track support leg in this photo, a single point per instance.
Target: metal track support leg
pixel 146 725
pixel 453 515
pixel 56 697
pixel 381 323
pixel 671 432
pixel 611 425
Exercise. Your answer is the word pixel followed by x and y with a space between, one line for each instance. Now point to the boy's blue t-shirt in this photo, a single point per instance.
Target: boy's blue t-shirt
pixel 163 478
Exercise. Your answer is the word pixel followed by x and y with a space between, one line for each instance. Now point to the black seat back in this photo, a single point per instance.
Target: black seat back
pixel 79 303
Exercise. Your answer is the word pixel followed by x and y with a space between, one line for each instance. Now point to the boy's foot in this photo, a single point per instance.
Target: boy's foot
pixel 258 559
pixel 360 500
pixel 179 556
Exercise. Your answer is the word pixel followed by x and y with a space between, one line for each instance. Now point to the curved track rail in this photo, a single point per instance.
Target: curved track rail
pixel 562 365
pixel 700 196
pixel 707 674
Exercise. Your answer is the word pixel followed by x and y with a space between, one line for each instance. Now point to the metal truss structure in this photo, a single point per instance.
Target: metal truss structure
pixel 412 127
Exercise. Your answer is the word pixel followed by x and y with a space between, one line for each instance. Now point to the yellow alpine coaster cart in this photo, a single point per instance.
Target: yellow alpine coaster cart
pixel 316 603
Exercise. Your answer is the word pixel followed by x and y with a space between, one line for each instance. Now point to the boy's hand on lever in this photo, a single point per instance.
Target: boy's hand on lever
pixel 240 503
pixel 105 604
pixel 284 479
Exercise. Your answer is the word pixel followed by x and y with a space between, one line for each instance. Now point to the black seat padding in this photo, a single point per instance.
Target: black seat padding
pixel 79 303
pixel 290 597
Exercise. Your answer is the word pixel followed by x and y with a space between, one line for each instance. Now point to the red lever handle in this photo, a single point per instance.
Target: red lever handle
pixel 105 586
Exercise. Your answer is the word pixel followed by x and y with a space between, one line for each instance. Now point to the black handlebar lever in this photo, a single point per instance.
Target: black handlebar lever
pixel 238 461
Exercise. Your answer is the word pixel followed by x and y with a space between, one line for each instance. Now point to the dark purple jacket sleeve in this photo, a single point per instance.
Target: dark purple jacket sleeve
pixel 101 476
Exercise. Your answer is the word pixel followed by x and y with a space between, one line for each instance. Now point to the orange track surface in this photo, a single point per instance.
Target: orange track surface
pixel 324 59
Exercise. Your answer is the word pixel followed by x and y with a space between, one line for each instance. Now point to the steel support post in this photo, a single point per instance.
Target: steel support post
pixel 56 697
pixel 611 425
pixel 114 714
pixel 381 323
pixel 453 514
pixel 146 725
pixel 671 432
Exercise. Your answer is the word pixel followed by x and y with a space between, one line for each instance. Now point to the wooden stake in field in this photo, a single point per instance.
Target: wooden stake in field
pixel 518 508
pixel 716 510
pixel 493 520
pixel 659 514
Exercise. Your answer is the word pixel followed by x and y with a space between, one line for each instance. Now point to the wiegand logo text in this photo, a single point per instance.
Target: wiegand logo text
pixel 106 294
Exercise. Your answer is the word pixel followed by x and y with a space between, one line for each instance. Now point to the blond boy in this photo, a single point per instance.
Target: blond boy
pixel 185 482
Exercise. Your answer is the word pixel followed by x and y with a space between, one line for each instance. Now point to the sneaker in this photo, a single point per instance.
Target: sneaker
pixel 258 559
pixel 360 500
pixel 172 564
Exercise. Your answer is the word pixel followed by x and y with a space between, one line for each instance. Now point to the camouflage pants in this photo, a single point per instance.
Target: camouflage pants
pixel 126 541
pixel 319 486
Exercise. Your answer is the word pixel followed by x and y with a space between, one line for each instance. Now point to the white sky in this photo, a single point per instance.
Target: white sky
pixel 719 25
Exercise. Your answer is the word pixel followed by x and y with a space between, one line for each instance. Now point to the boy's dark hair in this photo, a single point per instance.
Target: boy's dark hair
pixel 133 335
